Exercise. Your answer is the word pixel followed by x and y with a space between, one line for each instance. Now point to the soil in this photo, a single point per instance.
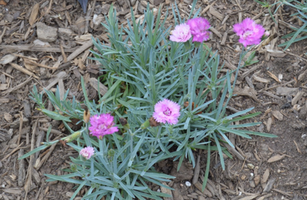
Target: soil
pixel 261 168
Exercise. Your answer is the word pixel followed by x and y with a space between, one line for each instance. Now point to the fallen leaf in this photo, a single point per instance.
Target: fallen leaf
pixel 277 115
pixel 8 117
pixel 2 2
pixel 273 76
pixel 34 14
pixel 265 176
pixel 276 158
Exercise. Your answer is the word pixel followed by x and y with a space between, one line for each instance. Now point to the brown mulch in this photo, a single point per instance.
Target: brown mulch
pixel 261 168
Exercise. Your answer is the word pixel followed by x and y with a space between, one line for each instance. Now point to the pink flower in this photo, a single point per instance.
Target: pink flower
pixel 250 33
pixel 199 27
pixel 181 33
pixel 267 33
pixel 167 111
pixel 87 152
pixel 102 125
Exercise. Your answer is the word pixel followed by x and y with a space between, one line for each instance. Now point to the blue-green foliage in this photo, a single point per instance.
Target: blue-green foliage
pixel 142 67
pixel 299 33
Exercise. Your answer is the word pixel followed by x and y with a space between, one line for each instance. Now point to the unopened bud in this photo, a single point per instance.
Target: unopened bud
pixel 267 33
pixel 72 137
pixel 86 115
pixel 145 125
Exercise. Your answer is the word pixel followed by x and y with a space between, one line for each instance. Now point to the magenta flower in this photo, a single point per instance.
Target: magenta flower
pixel 87 152
pixel 199 27
pixel 250 33
pixel 181 33
pixel 102 125
pixel 167 111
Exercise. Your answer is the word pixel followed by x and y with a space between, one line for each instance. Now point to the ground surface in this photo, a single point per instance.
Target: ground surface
pixel 261 169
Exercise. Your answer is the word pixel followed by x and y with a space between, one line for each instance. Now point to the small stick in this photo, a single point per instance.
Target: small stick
pixel 18 86
pixel 37 64
pixel 63 53
pixel 21 170
pixel 34 48
pixel 20 127
pixel 13 151
pixel 85 46
pixel 298 149
pixel 18 67
pixel 22 56
pixel 207 8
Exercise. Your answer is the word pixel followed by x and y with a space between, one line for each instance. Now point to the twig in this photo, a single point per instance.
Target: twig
pixel 34 48
pixel 13 151
pixel 37 64
pixel 18 86
pixel 81 49
pixel 18 67
pixel 20 127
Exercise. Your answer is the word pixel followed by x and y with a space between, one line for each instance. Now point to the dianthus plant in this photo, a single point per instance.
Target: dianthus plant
pixel 166 98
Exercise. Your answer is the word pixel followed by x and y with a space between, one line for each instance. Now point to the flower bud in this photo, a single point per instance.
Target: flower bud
pixel 72 137
pixel 86 115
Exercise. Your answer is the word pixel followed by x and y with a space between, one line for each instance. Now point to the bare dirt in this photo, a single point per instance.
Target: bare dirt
pixel 261 168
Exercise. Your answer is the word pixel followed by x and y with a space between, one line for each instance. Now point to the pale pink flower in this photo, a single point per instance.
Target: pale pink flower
pixel 102 125
pixel 249 32
pixel 199 29
pixel 87 152
pixel 181 33
pixel 167 111
pixel 267 33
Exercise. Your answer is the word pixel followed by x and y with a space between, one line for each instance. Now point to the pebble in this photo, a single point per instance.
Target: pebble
pixel 46 33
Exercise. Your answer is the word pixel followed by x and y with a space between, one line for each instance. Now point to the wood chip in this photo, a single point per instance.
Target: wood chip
pixel 216 14
pixel 17 87
pixel 285 91
pixel 78 51
pixel 94 83
pixel 277 115
pixel 166 191
pixel 247 91
pixel 259 79
pixel 269 185
pixel 7 59
pixel 18 67
pixel 216 32
pixel 250 197
pixel 21 169
pixel 27 47
pixel 265 176
pixel 297 97
pixel 276 158
pixel 206 192
pixel 196 171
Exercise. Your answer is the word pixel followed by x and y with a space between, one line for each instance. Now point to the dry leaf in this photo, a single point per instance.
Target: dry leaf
pixel 34 14
pixel 2 2
pixel 276 158
pixel 8 117
pixel 273 76
pixel 265 176
pixel 30 66
pixel 277 115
